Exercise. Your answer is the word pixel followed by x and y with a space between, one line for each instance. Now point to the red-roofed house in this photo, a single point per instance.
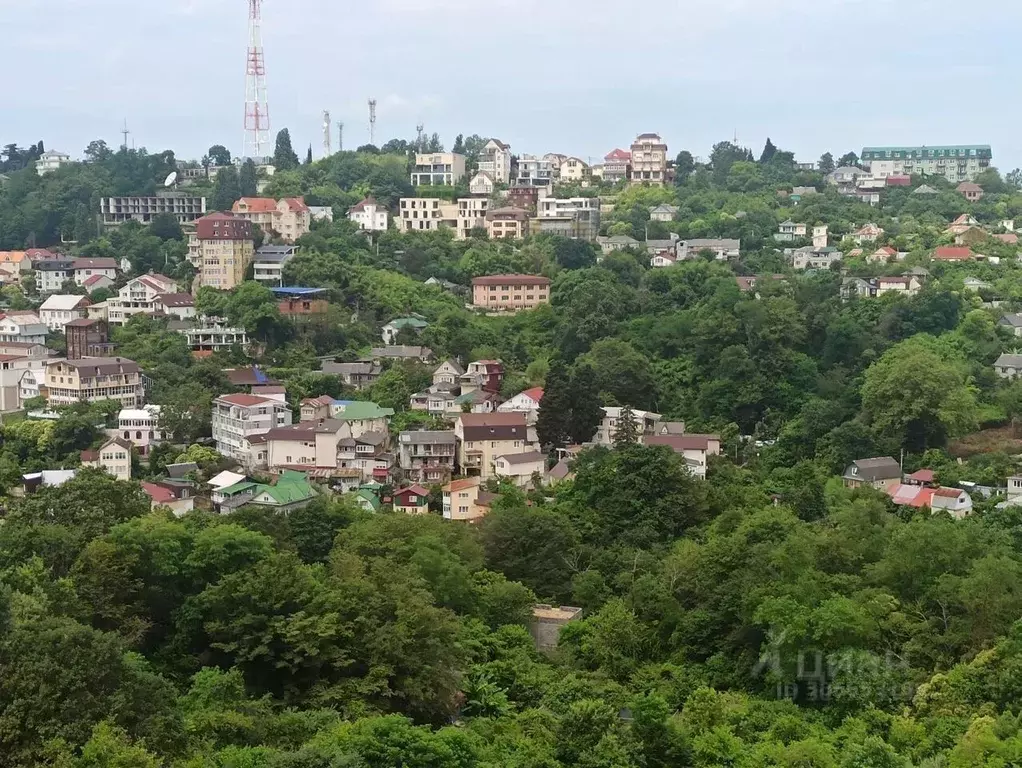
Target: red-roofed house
pixel 94 283
pixel 461 499
pixel 289 217
pixel 954 501
pixel 882 255
pixel 160 496
pixel 413 500
pixel 617 165
pixel 952 253
pixel 370 215
pixel 86 268
pixel 138 296
pixel 526 402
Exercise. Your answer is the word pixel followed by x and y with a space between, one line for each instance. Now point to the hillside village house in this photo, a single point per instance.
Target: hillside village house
pixel 1009 366
pixel 59 309
pixel 268 264
pixel 617 166
pixel 426 214
pixel 240 423
pixel 415 324
pixel 22 326
pixel 288 218
pixel 427 456
pixel 526 402
pixel 611 243
pixel 327 445
pixel 484 437
pixel 20 377
pixel 370 215
pixel 495 161
pixel 413 500
pixel 790 230
pixel 141 427
pixel 357 416
pixel 114 457
pixel 222 248
pixel 521 467
pixel 51 274
pixel 905 285
pixel 867 234
pixel 575 170
pixel 507 223
pixel 1013 322
pixel 646 422
pixel 180 306
pixel 952 253
pixel 138 296
pixel 471 216
pixel 87 269
pixel 437 169
pixel 360 375
pixel 694 449
pixel 482 184
pixel 972 192
pixel 663 212
pixel 815 258
pixel 880 473
pixel 821 236
pixel 962 224
pixel 510 293
pixel 723 249
pixel 464 500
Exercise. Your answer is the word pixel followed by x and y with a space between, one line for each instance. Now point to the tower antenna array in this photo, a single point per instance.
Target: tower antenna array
pixel 372 122
pixel 340 136
pixel 125 132
pixel 327 133
pixel 257 108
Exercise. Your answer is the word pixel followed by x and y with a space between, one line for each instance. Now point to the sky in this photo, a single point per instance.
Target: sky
pixel 579 77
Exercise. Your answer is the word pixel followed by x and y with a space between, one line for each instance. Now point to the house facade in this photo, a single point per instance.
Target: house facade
pixel 510 293
pixel 141 427
pixel 370 215
pixel 240 423
pixel 507 223
pixel 880 473
pixel 646 423
pixel 91 379
pixel 426 214
pixel 113 457
pixel 138 296
pixel 648 160
pixel 495 161
pixel 288 218
pixel 617 166
pixel 222 249
pixel 482 438
pixel 60 309
pixel 955 163
pixel 438 169
pixel 427 456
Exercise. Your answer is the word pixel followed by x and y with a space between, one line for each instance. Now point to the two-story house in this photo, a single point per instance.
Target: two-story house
pixel 141 427
pixel 22 326
pixel 288 218
pixel 370 215
pixel 694 449
pixel 465 500
pixel 526 402
pixel 427 456
pixel 360 375
pixel 60 309
pixel 485 436
pixel 880 473
pixel 521 468
pixel 85 269
pixel 789 230
pixel 138 296
pixel 645 421
pixel 114 457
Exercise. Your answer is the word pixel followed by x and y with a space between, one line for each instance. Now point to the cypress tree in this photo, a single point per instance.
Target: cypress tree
pixel 552 425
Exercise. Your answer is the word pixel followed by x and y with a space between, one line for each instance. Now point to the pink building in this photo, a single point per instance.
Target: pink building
pixel 510 292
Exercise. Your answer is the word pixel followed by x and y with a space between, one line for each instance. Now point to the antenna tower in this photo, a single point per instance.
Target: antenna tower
pixel 257 108
pixel 419 129
pixel 340 136
pixel 327 133
pixel 125 132
pixel 372 122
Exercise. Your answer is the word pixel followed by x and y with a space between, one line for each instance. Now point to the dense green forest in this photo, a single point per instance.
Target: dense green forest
pixel 767 616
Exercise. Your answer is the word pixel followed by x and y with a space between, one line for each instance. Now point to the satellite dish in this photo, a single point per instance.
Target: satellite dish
pixel 171 179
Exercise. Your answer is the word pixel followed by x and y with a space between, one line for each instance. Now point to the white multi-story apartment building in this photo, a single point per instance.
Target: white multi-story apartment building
pixel 138 297
pixel 60 309
pixel 534 172
pixel 51 274
pixel 370 215
pixel 24 326
pixel 268 264
pixel 423 214
pixel 15 371
pixel 215 338
pixel 438 169
pixel 86 268
pixel 471 215
pixel 240 423
pixel 649 160
pixel 495 159
pixel 955 163
pixel 92 379
pixel 184 208
pixel 51 161
pixel 581 214
pixel 645 423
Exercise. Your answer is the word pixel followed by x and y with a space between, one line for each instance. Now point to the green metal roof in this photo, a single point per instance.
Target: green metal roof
pixel 358 410
pixel 372 498
pixel 237 488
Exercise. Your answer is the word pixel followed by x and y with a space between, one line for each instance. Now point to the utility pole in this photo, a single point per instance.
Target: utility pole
pixel 372 122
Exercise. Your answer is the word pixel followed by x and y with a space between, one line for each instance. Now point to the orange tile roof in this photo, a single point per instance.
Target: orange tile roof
pixel 255 205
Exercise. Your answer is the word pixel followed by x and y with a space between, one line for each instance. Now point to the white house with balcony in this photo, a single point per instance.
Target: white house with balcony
pixel 370 215
pixel 138 296
pixel 268 264
pixel 51 161
pixel 141 427
pixel 495 160
pixel 240 423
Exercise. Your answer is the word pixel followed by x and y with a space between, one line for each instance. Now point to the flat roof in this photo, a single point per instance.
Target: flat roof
pixel 297 291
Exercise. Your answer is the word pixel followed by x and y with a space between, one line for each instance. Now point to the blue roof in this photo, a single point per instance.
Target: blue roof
pixel 295 291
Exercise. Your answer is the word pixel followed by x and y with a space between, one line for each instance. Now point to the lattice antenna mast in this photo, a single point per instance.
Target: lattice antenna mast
pixel 327 133
pixel 125 132
pixel 257 107
pixel 372 122
pixel 419 129
pixel 340 136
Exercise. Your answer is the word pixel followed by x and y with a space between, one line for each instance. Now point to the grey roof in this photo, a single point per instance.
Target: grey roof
pixel 523 458
pixel 559 471
pixel 671 428
pixel 178 471
pixel 1009 361
pixel 711 242
pixel 372 438
pixel 277 250
pixel 925 189
pixel 402 351
pixel 1015 320
pixel 429 437
pixel 884 468
pixel 364 368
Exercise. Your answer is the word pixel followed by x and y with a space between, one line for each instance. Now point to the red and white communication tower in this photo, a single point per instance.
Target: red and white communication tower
pixel 257 107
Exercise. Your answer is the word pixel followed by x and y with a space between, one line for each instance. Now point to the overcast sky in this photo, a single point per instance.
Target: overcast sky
pixel 573 76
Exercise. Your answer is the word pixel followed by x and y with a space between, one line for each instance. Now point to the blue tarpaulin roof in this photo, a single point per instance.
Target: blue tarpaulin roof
pixel 296 291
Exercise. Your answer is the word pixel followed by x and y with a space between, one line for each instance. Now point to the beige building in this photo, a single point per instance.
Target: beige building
pixel 222 247
pixel 425 214
pixel 510 292
pixel 114 457
pixel 484 437
pixel 91 379
pixel 288 218
pixel 575 170
pixel 649 160
pixel 507 223
pixel 471 215
pixel 465 500
pixel 240 423
pixel 438 169
pixel 521 467
pixel 138 296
